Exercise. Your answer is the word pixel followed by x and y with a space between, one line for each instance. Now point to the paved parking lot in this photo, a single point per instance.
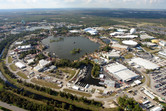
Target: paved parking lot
pixel 158 82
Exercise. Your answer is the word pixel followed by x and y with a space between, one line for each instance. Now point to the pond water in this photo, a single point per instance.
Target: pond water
pixel 62 46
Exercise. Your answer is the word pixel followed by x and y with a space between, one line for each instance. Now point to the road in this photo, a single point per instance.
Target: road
pixel 11 107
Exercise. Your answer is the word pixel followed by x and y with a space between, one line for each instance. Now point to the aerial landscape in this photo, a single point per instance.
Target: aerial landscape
pixel 80 55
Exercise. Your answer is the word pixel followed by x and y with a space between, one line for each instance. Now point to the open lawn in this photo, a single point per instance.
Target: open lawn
pixel 13 67
pixel 45 83
pixel 21 74
pixel 128 56
pixel 10 59
pixel 70 71
pixel 77 92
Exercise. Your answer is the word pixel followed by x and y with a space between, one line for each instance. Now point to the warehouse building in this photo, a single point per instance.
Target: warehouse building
pixel 20 65
pixel 145 63
pixel 121 72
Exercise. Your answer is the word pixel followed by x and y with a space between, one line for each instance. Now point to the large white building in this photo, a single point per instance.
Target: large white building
pixel 20 65
pixel 42 64
pixel 145 63
pixel 92 31
pixel 130 43
pixel 121 72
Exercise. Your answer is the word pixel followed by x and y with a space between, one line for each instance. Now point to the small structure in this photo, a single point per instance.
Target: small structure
pixel 127 36
pixel 112 54
pixel 156 109
pixel 30 61
pixel 41 65
pixel 75 88
pixel 149 94
pixel 137 82
pixel 109 83
pixel 20 65
pixel 133 31
pixel 162 43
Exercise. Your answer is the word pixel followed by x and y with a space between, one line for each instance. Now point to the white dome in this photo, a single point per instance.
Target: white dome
pixel 132 31
pixel 129 42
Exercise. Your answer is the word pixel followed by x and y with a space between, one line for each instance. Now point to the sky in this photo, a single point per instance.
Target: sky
pixel 136 4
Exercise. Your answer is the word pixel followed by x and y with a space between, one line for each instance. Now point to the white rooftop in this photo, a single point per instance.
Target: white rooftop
pixel 145 63
pixel 121 72
pixel 156 109
pixel 127 36
pixel 20 65
pixel 129 42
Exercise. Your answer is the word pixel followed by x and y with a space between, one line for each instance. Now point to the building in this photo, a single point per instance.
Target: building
pixel 29 61
pixel 149 94
pixel 74 31
pixel 162 53
pixel 122 30
pixel 162 43
pixel 119 47
pixel 121 72
pixel 116 33
pixel 130 43
pixel 145 36
pixel 41 65
pixel 20 65
pixel 145 63
pixel 156 109
pixel 24 47
pixel 127 36
pixel 133 31
pixel 112 54
pixel 109 83
pixel 19 43
pixel 155 41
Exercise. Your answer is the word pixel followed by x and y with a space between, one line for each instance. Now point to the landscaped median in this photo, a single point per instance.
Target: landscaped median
pixel 13 67
pixel 21 74
pixel 77 92
pixel 10 59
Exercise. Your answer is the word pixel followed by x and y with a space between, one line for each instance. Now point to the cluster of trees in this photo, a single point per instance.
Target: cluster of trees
pixel 24 54
pixel 107 48
pixel 74 51
pixel 95 70
pixel 40 56
pixel 61 94
pixel 130 104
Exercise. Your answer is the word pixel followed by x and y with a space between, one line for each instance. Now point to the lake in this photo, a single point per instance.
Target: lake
pixel 62 46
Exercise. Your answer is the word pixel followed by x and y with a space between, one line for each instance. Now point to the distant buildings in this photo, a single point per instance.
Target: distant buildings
pixel 119 47
pixel 91 31
pixel 162 43
pixel 130 43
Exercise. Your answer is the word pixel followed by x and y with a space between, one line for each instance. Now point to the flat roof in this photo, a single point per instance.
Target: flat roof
pixel 20 65
pixel 121 72
pixel 145 63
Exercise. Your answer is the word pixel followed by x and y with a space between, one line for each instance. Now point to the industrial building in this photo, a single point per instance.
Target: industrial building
pixel 144 63
pixel 119 47
pixel 42 64
pixel 121 72
pixel 20 65
pixel 112 54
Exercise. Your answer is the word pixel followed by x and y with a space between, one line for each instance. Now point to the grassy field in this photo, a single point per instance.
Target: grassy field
pixel 44 83
pixel 77 92
pixel 128 56
pixel 21 74
pixel 13 67
pixel 69 71
pixel 10 59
